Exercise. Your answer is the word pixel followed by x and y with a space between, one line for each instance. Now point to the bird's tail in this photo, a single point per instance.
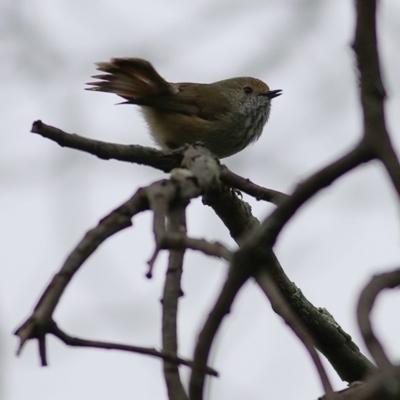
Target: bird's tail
pixel 133 79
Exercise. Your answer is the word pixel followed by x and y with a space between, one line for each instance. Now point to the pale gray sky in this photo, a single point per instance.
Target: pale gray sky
pixel 52 196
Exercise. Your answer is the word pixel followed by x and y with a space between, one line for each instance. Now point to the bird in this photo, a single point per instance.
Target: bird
pixel 225 116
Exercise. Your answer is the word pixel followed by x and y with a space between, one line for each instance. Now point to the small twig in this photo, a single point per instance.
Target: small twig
pixel 151 262
pixel 181 241
pixel 78 342
pixel 247 186
pixel 42 349
pixel 366 301
pixel 159 200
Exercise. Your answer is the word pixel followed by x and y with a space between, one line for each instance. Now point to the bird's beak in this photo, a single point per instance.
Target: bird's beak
pixel 273 93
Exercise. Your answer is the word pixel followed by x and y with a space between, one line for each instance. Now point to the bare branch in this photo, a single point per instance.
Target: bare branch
pixel 315 327
pixel 247 186
pixel 172 293
pixel 159 200
pixel 366 301
pixel 332 340
pixel 239 272
pixel 383 385
pixel 110 151
pixel 203 169
pixel 282 308
pixel 180 241
pixel 372 91
pixel 269 230
pixel 178 190
pixel 234 213
pixel 78 342
pixel 165 161
pixel 38 323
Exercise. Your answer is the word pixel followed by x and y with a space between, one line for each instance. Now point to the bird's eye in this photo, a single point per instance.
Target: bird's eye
pixel 247 90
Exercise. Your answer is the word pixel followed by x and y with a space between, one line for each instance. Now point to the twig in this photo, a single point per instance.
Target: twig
pixel 247 186
pixel 159 200
pixel 366 301
pixel 172 293
pixel 78 342
pixel 180 241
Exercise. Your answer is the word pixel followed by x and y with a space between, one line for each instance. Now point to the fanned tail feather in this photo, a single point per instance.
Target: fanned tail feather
pixel 133 79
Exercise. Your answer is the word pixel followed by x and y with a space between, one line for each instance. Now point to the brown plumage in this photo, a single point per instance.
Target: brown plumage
pixel 225 115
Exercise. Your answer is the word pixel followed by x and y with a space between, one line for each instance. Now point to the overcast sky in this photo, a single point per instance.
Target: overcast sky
pixel 51 196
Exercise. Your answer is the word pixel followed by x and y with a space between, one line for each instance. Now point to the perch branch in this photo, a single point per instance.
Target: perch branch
pixel 164 161
pixel 110 151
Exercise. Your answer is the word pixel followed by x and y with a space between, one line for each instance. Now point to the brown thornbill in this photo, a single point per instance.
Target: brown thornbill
pixel 226 116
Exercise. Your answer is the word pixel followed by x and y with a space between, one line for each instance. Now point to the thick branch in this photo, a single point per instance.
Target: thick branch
pixel 383 385
pixel 332 341
pixel 234 213
pixel 282 308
